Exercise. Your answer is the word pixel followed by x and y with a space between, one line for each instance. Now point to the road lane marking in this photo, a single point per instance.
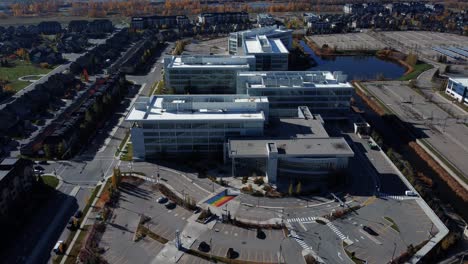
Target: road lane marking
pixel 339 255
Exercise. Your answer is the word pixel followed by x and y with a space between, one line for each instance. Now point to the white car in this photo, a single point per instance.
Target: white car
pixel 410 193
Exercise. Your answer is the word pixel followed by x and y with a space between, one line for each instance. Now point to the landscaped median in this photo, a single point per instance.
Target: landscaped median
pixel 50 180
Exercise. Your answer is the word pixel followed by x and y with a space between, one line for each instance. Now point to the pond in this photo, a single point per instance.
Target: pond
pixel 356 67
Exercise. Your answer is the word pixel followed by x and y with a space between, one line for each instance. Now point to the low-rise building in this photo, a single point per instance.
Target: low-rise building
pixel 171 124
pixel 49 27
pixel 458 89
pixel 264 20
pixel 237 39
pixel 204 74
pixel 16 180
pixel 176 21
pixel 312 157
pixel 223 18
pixel 325 93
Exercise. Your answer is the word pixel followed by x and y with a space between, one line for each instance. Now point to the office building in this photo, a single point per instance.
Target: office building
pixel 169 124
pixel 325 93
pixel 203 74
pixel 237 39
pixel 270 54
pixel 458 89
pixel 310 155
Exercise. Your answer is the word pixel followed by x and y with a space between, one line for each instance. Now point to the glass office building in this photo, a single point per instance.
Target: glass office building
pixel 193 123
pixel 324 93
pixel 203 74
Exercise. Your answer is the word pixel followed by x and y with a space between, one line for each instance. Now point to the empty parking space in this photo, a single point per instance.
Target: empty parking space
pixel 352 41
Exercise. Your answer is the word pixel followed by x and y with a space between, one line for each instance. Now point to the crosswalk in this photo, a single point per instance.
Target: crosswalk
pixel 301 219
pixel 396 197
pixel 335 229
pixel 299 239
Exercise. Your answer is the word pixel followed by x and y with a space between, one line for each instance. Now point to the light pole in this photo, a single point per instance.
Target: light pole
pixel 394 249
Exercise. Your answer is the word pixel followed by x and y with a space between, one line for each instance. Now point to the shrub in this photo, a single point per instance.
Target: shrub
pixel 259 181
pixel 257 193
pixel 245 179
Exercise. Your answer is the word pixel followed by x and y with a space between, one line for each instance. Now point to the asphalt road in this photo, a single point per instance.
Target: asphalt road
pixel 443 131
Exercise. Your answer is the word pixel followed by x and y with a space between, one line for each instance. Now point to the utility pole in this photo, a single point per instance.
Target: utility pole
pixel 394 249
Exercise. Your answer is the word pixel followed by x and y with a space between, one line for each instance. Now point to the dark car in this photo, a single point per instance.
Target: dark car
pixel 204 247
pixel 71 224
pixel 39 168
pixel 78 214
pixel 162 200
pixel 370 230
pixel 43 162
pixel 170 205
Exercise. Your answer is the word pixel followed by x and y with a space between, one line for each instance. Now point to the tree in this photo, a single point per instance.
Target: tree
pixel 290 190
pixel 46 148
pixel 298 188
pixel 61 148
pixel 116 177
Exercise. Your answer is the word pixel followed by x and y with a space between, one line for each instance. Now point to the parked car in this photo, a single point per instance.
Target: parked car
pixel 59 247
pixel 370 230
pixel 411 193
pixel 40 168
pixel 71 224
pixel 162 200
pixel 170 205
pixel 204 247
pixel 43 162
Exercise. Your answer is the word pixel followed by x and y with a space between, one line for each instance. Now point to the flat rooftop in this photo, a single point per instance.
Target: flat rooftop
pixel 294 79
pixel 205 61
pixel 187 108
pixel 295 127
pixel 462 81
pixel 299 147
pixel 264 45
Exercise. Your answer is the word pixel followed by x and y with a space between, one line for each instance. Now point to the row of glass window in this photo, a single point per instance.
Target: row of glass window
pixel 217 125
pixel 182 148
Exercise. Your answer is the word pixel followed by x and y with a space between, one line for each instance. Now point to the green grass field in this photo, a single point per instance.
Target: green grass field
pixel 21 68
pixel 418 69
pixel 52 181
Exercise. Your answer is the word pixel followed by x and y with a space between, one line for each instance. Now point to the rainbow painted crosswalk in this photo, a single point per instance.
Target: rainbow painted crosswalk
pixel 220 199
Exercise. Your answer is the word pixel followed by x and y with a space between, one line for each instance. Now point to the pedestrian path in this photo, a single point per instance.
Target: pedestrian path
pixel 335 229
pixel 301 219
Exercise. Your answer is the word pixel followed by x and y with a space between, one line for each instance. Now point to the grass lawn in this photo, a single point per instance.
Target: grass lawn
pixel 418 69
pixel 21 68
pixel 394 225
pixel 127 153
pixel 52 181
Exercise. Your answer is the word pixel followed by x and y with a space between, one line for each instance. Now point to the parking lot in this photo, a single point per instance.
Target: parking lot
pixel 412 224
pixel 244 242
pixel 423 41
pixel 351 41
pixel 137 198
pixel 214 46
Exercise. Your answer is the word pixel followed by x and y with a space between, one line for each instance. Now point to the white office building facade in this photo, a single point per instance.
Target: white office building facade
pixel 204 74
pixel 324 93
pixel 270 54
pixel 458 89
pixel 171 124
